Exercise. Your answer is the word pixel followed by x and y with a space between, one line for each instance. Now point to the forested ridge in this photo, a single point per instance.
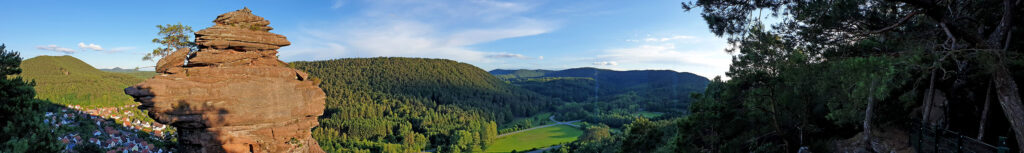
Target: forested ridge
pixel 411 104
pixel 69 81
pixel 610 97
pixel 611 82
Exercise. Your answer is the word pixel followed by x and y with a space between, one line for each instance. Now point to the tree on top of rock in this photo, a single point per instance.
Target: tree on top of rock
pixel 172 37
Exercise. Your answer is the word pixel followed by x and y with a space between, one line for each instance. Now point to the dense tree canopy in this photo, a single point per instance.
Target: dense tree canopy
pixel 414 104
pixel 610 97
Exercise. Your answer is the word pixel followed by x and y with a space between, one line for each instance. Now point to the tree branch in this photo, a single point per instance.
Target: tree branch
pixel 936 12
pixel 1004 25
pixel 904 19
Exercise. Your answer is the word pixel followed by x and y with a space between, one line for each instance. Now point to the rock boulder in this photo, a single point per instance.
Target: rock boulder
pixel 234 95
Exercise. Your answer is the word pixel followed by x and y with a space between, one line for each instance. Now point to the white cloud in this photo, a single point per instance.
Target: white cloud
pixel 90 46
pixel 606 63
pixel 708 62
pixel 540 57
pixel 419 29
pixel 664 39
pixel 667 54
pixel 56 49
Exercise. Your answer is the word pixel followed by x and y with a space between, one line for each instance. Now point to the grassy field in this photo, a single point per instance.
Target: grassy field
pixel 538 138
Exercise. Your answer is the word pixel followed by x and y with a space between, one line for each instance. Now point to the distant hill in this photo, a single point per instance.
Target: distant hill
pixel 132 72
pixel 610 97
pixel 605 82
pixel 68 80
pixel 378 104
pixel 522 73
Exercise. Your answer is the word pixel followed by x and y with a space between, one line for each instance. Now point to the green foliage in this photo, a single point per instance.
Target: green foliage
pixel 511 74
pixel 172 37
pixel 662 84
pixel 863 77
pixel 610 97
pixel 23 128
pixel 803 83
pixel 414 104
pixel 69 81
pixel 572 89
pixel 596 133
pixel 641 135
pixel 521 123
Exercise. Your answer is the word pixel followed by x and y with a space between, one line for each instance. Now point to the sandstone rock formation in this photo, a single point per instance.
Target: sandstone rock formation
pixel 234 95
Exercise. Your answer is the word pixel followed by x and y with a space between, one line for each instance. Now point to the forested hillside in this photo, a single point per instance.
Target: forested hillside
pixel 414 104
pixel 850 76
pixel 132 72
pixel 611 82
pixel 68 80
pixel 610 97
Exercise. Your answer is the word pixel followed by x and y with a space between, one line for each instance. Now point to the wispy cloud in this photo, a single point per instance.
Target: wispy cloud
pixel 606 63
pixel 512 56
pixel 506 55
pixel 337 4
pixel 119 49
pixel 420 29
pixel 90 46
pixel 698 55
pixel 661 39
pixel 56 49
pixel 665 54
pixel 664 39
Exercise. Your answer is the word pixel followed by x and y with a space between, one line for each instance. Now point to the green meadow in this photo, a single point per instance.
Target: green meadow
pixel 537 138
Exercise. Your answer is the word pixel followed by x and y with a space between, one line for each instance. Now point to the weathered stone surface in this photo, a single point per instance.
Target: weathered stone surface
pixel 175 59
pixel 234 95
pixel 240 31
pixel 223 36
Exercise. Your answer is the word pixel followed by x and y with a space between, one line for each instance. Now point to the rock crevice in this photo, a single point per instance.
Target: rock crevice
pixel 233 94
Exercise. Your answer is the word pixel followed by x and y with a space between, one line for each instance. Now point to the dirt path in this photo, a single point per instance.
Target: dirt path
pixel 552 118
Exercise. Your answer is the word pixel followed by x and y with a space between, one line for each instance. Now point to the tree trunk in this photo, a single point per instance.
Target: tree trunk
pixel 984 112
pixel 1009 99
pixel 1006 87
pixel 867 117
pixel 775 119
pixel 929 97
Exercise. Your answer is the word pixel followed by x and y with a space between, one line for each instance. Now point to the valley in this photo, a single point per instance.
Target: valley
pixel 371 106
pixel 503 76
pixel 401 93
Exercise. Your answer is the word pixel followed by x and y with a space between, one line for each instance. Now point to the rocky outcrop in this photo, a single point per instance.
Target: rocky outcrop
pixel 234 95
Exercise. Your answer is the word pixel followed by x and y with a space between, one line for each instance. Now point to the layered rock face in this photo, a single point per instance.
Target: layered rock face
pixel 234 95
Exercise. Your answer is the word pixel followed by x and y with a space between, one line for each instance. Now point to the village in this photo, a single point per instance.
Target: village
pixel 115 129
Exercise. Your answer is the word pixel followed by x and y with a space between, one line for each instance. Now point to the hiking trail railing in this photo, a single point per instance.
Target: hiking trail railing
pixel 932 139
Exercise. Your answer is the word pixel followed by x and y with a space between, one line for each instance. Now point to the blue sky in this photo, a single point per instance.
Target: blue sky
pixel 490 34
